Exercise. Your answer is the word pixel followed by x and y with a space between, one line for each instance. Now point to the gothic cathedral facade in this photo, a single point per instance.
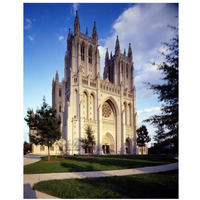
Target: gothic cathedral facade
pixel 83 98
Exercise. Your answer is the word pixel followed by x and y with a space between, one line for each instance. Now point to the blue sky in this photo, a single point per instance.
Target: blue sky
pixel 45 32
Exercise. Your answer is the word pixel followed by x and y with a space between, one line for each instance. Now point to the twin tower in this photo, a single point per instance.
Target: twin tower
pixel 82 98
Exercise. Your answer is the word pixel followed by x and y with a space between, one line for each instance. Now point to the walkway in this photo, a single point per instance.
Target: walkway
pixel 31 159
pixel 31 179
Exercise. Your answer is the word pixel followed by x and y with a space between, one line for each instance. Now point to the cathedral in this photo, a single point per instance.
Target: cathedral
pixel 82 98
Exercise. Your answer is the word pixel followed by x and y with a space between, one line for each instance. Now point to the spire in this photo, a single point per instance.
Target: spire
pixel 86 31
pixel 76 25
pixel 117 47
pixel 106 68
pixel 57 77
pixel 124 51
pixel 129 51
pixel 107 55
pixel 94 33
pixel 69 34
pixel 110 54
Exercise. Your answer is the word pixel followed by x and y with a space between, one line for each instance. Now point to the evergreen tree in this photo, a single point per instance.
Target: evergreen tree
pixel 89 141
pixel 46 124
pixel 142 137
pixel 167 121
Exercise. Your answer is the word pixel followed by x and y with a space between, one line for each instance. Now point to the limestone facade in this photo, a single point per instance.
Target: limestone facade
pixel 82 97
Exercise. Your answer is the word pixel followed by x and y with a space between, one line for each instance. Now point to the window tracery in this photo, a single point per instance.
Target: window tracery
pixel 106 110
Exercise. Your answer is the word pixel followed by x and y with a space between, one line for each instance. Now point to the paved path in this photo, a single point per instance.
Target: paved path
pixel 31 159
pixel 31 179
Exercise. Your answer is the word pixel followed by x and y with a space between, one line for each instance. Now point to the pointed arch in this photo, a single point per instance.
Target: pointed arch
pixel 90 54
pixel 92 106
pixel 76 102
pixel 108 143
pixel 128 145
pixel 129 114
pixel 85 104
pixel 113 104
pixel 83 51
pixel 125 112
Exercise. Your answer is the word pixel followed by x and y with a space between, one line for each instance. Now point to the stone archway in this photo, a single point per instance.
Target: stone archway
pixel 128 146
pixel 108 144
pixel 109 127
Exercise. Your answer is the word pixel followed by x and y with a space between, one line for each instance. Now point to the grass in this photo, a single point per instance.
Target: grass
pixel 97 163
pixel 158 185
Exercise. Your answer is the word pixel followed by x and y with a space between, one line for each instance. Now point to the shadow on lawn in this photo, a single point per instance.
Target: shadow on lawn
pixel 129 187
pixel 77 168
pixel 119 162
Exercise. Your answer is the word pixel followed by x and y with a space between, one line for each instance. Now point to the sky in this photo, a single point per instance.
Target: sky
pixel 46 28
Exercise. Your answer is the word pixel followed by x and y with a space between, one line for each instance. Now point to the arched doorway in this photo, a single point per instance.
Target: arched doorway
pixel 109 130
pixel 108 144
pixel 128 146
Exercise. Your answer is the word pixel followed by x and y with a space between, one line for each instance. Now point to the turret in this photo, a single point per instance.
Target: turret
pixel 57 77
pixel 69 35
pixel 86 33
pixel 106 68
pixel 117 47
pixel 124 52
pixel 76 25
pixel 94 33
pixel 130 51
pixel 107 55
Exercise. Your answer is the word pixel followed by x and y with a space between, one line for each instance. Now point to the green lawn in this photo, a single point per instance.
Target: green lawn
pixel 159 185
pixel 97 163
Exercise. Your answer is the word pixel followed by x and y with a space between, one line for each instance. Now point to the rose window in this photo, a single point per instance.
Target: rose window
pixel 106 110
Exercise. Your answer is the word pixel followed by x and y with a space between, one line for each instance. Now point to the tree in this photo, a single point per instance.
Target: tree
pixel 27 147
pixel 89 141
pixel 46 124
pixel 167 122
pixel 143 137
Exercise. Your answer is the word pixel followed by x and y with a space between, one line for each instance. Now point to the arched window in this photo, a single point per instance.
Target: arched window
pixel 59 108
pixel 76 102
pixel 90 55
pixel 85 105
pixel 129 114
pixel 60 93
pixel 92 107
pixel 125 113
pixel 126 71
pixel 122 67
pixel 83 51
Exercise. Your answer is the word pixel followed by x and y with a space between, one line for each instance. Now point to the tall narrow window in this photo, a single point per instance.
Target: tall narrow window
pixel 92 108
pixel 126 71
pixel 129 115
pixel 60 93
pixel 83 51
pixel 122 67
pixel 85 105
pixel 90 55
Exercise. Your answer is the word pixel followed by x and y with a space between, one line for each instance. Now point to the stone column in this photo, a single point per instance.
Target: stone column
pixel 99 117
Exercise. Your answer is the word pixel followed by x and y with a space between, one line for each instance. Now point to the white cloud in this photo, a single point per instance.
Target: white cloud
pixel 145 27
pixel 28 24
pixel 75 8
pixel 151 111
pixel 60 38
pixel 30 37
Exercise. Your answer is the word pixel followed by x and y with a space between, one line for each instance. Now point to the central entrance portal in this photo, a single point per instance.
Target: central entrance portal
pixel 109 127
pixel 108 145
